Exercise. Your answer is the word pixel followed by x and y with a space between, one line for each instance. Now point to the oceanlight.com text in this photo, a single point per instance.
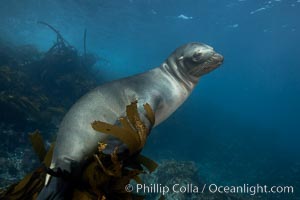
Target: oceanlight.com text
pixel 210 188
pixel 250 189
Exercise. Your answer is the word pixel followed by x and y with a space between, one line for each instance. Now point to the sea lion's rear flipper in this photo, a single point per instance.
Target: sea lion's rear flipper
pixel 57 189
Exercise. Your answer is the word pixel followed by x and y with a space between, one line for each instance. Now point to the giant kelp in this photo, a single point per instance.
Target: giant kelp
pixel 104 176
pixel 36 90
pixel 37 86
pixel 132 131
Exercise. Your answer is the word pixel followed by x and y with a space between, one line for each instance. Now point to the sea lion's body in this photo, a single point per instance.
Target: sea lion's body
pixel 164 88
pixel 107 103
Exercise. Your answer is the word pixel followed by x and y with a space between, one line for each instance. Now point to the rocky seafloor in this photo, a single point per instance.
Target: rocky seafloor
pixel 184 181
pixel 16 164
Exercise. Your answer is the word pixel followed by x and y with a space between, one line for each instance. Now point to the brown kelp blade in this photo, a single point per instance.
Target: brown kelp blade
pixel 148 163
pixel 132 132
pixel 48 157
pixel 132 113
pixel 27 188
pixel 38 144
pixel 123 134
pixel 31 184
pixel 149 113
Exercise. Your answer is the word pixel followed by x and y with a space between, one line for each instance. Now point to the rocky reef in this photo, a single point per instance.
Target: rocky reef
pixel 36 88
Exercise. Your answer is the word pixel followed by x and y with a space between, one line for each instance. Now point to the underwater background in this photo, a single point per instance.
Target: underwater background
pixel 241 123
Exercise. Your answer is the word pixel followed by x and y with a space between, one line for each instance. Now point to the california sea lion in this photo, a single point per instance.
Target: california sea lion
pixel 165 88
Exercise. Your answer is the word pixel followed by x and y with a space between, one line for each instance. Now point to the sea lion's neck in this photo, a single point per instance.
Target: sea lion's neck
pixel 171 67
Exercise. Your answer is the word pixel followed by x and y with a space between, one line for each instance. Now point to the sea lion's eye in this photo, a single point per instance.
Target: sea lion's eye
pixel 197 56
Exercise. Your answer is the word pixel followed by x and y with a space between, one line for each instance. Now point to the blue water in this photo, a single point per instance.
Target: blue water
pixel 241 123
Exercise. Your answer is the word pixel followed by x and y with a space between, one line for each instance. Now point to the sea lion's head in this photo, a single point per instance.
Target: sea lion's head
pixel 196 59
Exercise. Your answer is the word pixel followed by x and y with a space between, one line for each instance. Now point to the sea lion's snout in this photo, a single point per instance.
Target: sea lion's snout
pixel 198 59
pixel 218 58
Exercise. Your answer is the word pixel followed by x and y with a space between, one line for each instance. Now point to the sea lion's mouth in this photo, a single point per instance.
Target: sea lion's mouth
pixel 215 60
pixel 212 63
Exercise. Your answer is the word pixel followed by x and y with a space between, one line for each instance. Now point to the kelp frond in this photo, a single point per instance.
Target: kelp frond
pixel 38 144
pixel 133 132
pixel 40 149
pixel 103 177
